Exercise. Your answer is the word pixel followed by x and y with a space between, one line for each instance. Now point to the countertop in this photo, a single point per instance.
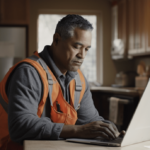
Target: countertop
pixel 118 90
pixel 63 145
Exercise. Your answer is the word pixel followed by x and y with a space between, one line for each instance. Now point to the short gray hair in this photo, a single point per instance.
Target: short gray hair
pixel 66 25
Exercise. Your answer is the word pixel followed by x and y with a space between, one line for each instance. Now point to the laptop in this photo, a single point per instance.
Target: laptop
pixel 138 129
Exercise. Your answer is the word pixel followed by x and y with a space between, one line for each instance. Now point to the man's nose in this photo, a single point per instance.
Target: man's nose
pixel 82 53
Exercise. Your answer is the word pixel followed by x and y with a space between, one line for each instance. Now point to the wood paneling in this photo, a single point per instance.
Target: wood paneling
pixel 14 12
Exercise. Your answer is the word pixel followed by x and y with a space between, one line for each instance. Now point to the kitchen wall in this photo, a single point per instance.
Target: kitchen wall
pixel 12 47
pixel 131 65
pixel 124 65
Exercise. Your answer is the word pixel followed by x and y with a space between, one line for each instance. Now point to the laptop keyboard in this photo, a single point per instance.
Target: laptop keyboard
pixel 117 140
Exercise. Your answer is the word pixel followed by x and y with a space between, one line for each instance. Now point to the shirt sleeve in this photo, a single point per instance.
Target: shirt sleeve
pixel 87 112
pixel 24 91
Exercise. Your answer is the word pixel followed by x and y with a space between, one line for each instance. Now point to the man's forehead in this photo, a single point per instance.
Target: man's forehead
pixel 81 44
pixel 81 35
pixel 79 32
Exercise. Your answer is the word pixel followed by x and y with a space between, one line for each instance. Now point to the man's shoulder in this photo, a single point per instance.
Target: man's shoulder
pixel 25 65
pixel 23 68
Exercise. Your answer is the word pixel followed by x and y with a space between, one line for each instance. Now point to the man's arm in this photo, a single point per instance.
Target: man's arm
pixel 89 123
pixel 24 93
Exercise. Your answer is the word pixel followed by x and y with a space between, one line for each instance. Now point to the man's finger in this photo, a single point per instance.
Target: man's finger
pixel 103 135
pixel 107 132
pixel 112 130
pixel 115 128
pixel 122 133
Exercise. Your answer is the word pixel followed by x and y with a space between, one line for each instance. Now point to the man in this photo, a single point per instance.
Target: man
pixel 30 115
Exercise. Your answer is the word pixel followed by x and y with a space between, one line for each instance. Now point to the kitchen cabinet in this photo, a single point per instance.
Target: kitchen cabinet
pixel 131 23
pixel 14 12
pixel 147 27
pixel 122 32
pixel 136 26
pixel 132 27
pixel 119 32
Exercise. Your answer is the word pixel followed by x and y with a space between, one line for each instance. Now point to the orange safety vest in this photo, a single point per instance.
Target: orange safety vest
pixel 67 113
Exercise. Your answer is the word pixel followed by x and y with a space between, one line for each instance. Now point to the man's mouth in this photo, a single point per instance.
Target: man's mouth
pixel 77 62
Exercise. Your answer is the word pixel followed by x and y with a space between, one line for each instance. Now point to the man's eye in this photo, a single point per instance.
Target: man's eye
pixel 76 47
pixel 86 49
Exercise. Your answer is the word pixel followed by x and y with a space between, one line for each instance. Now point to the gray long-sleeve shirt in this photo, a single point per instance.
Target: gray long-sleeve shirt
pixel 24 91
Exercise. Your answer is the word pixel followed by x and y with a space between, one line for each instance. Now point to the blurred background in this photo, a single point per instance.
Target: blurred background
pixel 118 64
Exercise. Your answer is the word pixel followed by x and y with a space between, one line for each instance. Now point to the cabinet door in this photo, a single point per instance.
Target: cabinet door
pixel 139 26
pixel 147 28
pixel 114 25
pixel 131 29
pixel 136 27
pixel 122 32
pixel 119 31
pixel 14 11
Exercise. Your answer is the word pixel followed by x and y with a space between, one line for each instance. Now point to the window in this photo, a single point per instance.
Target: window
pixel 46 29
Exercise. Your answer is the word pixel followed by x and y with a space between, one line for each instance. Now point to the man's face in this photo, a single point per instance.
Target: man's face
pixel 70 53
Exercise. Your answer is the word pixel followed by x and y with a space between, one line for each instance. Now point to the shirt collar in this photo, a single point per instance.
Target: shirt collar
pixel 45 55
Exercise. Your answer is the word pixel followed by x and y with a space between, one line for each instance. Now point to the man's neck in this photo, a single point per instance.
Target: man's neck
pixel 51 53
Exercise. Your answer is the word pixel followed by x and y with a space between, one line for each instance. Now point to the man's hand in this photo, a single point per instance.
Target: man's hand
pixel 90 130
pixel 99 129
pixel 122 133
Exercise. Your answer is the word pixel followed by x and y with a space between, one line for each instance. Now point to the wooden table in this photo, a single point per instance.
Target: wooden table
pixel 63 145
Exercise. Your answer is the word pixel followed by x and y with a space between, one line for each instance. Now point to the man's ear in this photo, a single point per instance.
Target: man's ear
pixel 56 38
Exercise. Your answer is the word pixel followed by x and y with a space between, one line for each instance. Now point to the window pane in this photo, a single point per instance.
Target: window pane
pixel 89 65
pixel 46 28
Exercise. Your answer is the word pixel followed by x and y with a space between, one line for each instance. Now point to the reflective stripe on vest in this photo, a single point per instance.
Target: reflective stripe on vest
pixel 49 77
pixel 78 86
